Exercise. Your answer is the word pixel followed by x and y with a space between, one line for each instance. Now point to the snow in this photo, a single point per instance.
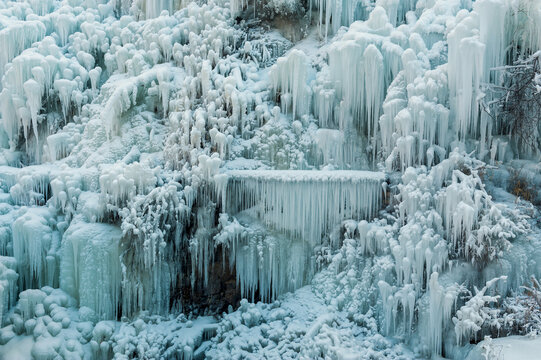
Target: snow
pixel 19 348
pixel 508 348
pixel 299 325
pixel 471 317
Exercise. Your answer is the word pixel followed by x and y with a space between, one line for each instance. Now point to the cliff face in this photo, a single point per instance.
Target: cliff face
pixel 284 179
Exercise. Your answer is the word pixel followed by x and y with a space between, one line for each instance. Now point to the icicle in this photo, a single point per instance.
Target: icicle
pixel 374 87
pixel 331 143
pixel 492 14
pixel 32 240
pixel 288 78
pixel 437 320
pixel 466 66
pixel 94 76
pixel 33 91
pixel 335 14
pixel 306 204
pixel 8 285
pixel 265 263
pixel 28 300
pixel 90 266
pixel 164 77
pixel 18 36
pixel 120 182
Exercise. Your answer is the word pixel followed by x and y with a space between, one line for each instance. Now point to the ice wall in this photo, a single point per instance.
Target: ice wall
pixel 352 100
pixel 415 267
pixel 333 14
pixel 154 255
pixel 298 210
pixel 125 133
pixel 61 107
pixel 305 204
pixel 427 101
pixel 267 264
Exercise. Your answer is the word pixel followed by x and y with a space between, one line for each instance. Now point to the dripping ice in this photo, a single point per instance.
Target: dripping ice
pixel 283 179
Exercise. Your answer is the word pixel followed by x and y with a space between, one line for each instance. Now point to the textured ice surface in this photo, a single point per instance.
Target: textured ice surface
pixel 160 160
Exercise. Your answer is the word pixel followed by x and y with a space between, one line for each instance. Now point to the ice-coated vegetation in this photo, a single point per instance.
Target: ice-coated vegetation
pixel 217 179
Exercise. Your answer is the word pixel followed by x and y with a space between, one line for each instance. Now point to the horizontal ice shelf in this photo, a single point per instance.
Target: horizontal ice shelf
pixel 308 175
pixel 305 204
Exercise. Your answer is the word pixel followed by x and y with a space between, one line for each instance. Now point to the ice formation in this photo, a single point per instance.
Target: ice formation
pixel 329 172
pixel 90 266
pixel 289 77
pixel 305 204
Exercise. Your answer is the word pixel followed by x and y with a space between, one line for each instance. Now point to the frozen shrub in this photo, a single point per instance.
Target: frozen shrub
pixel 516 103
pixel 522 313
pixel 281 8
pixel 521 186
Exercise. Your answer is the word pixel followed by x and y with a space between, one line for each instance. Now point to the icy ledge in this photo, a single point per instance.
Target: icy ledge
pixel 303 204
pixel 308 175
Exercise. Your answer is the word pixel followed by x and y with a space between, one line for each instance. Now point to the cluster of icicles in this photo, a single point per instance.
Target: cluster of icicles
pixel 398 100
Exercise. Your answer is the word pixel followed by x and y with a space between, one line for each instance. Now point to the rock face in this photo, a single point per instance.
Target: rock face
pixel 220 292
